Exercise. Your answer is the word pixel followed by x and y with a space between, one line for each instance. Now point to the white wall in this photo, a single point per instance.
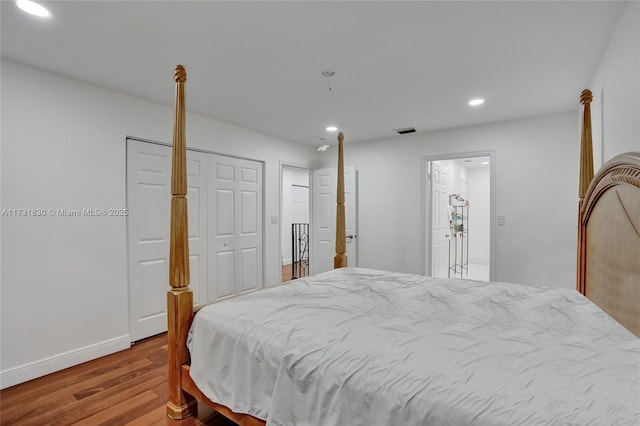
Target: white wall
pixel 290 177
pixel 536 185
pixel 616 91
pixel 64 279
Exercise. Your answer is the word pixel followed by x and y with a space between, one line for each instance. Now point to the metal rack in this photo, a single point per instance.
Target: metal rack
pixel 459 241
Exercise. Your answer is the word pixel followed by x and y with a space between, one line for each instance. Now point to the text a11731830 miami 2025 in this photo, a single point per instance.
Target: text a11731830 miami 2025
pixel 58 212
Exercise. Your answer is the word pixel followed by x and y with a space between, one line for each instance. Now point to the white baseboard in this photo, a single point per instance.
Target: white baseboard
pixel 32 370
pixel 286 261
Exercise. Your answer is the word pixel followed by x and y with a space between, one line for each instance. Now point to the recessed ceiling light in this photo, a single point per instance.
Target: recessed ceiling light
pixel 33 8
pixel 476 102
pixel 332 129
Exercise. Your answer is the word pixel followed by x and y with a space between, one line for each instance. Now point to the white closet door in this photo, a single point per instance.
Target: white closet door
pixel 149 201
pixel 235 233
pixel 148 191
pixel 197 171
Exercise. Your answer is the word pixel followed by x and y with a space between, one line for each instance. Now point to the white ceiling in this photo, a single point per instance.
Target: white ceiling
pixel 259 64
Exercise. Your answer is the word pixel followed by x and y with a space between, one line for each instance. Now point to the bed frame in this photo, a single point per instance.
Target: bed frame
pixel 608 243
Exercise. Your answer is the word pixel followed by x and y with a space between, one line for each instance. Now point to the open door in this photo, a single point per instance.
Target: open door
pixel 440 232
pixel 323 220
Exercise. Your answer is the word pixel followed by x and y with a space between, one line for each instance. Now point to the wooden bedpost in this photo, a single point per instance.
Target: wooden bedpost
pixel 586 176
pixel 340 260
pixel 179 298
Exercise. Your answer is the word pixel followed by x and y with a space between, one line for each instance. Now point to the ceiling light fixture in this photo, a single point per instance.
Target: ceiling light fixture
pixel 332 129
pixel 328 74
pixel 476 102
pixel 484 163
pixel 323 148
pixel 33 8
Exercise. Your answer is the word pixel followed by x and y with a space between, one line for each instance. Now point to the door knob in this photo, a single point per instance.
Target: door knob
pixel 350 237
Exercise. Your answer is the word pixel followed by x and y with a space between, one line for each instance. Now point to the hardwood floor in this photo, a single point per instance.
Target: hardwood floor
pixel 126 388
pixel 287 272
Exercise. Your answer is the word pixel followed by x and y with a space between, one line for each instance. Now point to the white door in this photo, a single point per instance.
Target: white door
pixel 148 177
pixel 299 204
pixel 235 232
pixel 148 201
pixel 323 229
pixel 440 230
pixel 197 171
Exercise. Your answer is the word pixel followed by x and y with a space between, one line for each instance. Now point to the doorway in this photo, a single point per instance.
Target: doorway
pixel 294 223
pixel 459 238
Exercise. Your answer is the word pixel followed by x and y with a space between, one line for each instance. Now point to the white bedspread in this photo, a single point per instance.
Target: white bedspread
pixel 363 347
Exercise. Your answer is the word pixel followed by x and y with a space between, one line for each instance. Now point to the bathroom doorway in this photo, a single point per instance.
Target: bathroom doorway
pixel 458 216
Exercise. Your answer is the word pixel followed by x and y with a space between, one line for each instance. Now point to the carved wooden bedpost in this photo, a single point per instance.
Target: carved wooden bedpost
pixel 340 260
pixel 586 176
pixel 179 298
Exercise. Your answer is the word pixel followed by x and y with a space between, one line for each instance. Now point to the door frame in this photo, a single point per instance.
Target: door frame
pixel 425 191
pixel 290 165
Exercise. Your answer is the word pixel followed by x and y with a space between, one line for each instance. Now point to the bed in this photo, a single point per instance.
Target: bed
pixel 359 346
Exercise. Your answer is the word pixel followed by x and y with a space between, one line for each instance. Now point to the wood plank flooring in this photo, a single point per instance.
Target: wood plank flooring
pixel 126 388
pixel 287 272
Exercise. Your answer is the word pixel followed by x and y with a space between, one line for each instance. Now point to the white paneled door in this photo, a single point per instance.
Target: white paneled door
pixel 299 204
pixel 197 171
pixel 235 230
pixel 323 230
pixel 148 177
pixel 440 233
pixel 148 201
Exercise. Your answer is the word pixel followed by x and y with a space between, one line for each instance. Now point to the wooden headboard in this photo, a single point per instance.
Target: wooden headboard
pixel 609 223
pixel 609 230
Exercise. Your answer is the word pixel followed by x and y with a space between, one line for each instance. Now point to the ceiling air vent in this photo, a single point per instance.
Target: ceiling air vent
pixel 405 130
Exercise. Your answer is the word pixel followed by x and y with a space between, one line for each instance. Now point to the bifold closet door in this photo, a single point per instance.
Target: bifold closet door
pixel 148 201
pixel 225 230
pixel 235 226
